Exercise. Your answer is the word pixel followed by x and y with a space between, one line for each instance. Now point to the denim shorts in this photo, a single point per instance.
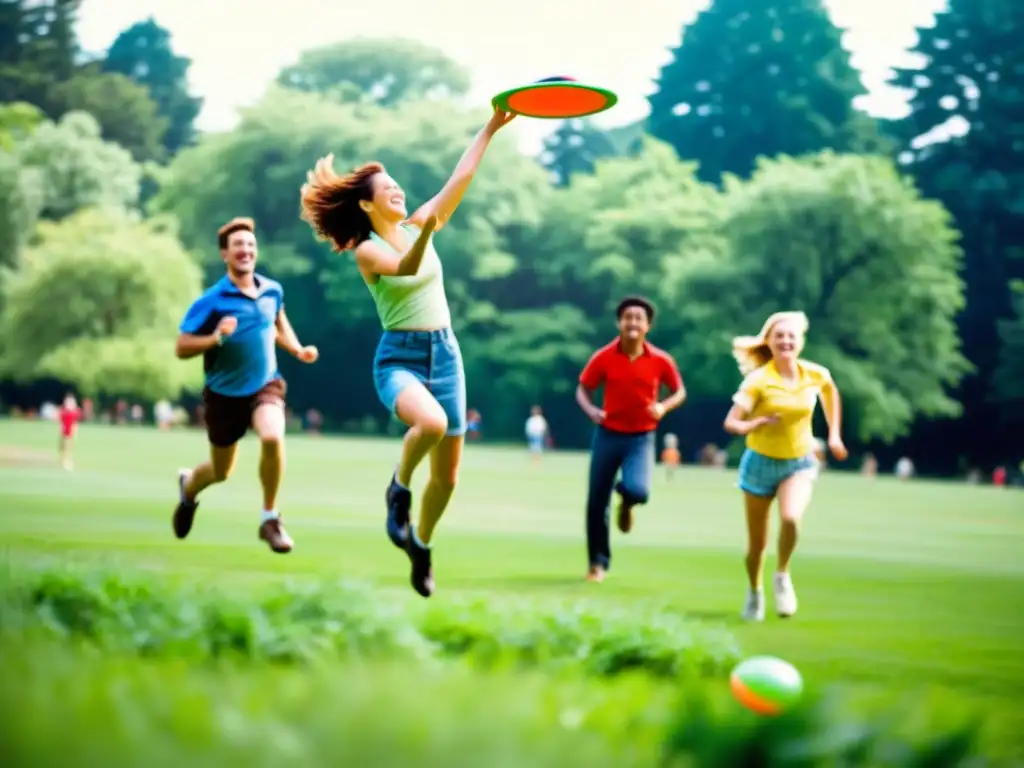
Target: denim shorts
pixel 434 359
pixel 761 475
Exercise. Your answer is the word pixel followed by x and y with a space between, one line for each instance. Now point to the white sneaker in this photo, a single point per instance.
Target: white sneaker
pixel 754 608
pixel 785 595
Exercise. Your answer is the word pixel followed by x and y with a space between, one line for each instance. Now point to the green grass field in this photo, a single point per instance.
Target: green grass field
pixel 907 591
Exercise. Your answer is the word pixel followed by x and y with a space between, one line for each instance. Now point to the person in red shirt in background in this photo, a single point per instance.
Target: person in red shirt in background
pixel 69 415
pixel 632 372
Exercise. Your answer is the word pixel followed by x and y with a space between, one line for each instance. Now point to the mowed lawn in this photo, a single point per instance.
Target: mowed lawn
pixel 904 585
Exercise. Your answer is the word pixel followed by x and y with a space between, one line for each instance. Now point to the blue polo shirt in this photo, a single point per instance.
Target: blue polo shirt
pixel 247 360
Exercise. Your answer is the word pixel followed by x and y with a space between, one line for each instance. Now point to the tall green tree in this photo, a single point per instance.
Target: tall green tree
pixel 1008 381
pixel 38 49
pixel 124 110
pixel 752 79
pixel 382 70
pixel 17 121
pixel 970 73
pixel 144 53
pixel 21 200
pixel 575 147
pixel 120 286
pixel 874 265
pixel 78 168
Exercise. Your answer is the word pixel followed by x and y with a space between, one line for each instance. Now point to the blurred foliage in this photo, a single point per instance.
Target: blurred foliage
pixel 963 142
pixel 346 620
pixel 116 667
pixel 95 302
pixel 759 79
pixel 541 250
pixel 383 71
pixel 143 52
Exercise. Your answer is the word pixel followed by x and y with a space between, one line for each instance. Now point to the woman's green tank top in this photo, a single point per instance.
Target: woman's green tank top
pixel 414 302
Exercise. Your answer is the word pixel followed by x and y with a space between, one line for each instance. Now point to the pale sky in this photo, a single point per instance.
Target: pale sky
pixel 238 46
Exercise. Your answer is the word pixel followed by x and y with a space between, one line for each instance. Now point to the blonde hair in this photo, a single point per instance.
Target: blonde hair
pixel 751 352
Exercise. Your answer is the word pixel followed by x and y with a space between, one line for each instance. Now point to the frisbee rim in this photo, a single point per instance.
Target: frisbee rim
pixel 501 99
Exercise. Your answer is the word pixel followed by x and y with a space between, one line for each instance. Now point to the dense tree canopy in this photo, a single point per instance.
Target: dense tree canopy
pixel 752 79
pixel 681 207
pixel 384 71
pixel 121 286
pixel 144 53
pixel 124 110
pixel 963 144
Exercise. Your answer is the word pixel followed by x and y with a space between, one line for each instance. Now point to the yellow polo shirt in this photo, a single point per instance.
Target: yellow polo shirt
pixel 764 392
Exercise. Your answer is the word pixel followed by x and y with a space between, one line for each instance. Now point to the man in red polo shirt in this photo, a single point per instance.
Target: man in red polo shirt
pixel 632 372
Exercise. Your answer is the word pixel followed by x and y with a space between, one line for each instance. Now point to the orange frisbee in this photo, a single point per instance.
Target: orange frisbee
pixel 555 98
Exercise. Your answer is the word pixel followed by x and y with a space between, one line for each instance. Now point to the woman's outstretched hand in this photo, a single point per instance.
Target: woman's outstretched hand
pixel 499 120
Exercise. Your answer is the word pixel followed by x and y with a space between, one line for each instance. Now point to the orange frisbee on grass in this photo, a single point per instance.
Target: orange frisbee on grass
pixel 555 98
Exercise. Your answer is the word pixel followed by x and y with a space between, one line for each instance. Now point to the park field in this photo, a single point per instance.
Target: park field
pixel 910 593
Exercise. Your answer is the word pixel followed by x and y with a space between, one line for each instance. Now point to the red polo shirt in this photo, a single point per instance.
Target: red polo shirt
pixel 630 386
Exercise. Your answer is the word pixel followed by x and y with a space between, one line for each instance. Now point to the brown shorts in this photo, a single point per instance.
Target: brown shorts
pixel 229 418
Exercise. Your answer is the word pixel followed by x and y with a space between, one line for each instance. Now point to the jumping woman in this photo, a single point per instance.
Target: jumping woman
pixel 773 409
pixel 417 370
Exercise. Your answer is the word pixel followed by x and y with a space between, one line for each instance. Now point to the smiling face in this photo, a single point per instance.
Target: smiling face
pixel 240 253
pixel 634 323
pixel 786 340
pixel 387 201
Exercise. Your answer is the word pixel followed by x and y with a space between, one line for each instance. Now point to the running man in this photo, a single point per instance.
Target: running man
pixel 69 416
pixel 418 369
pixel 773 409
pixel 235 325
pixel 632 371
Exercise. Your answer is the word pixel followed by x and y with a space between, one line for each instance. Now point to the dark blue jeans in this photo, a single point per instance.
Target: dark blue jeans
pixel 611 452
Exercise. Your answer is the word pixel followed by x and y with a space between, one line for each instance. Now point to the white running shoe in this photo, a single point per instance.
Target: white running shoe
pixel 785 595
pixel 754 608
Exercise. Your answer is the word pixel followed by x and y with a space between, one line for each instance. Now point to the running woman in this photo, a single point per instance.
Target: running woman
pixel 417 370
pixel 234 325
pixel 632 371
pixel 773 409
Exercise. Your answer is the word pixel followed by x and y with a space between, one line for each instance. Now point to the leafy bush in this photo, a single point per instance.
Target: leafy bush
pixel 825 731
pixel 292 624
pixel 604 640
pixel 108 708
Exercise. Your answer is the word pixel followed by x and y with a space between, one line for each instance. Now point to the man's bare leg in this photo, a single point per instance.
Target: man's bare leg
pixel 192 482
pixel 269 423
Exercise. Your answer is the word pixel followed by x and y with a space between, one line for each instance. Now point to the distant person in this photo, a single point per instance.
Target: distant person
pixel 474 424
pixel 904 468
pixel 869 468
pixel 670 455
pixel 163 414
pixel 632 372
pixel 536 433
pixel 234 325
pixel 418 370
pixel 999 476
pixel 69 415
pixel 773 409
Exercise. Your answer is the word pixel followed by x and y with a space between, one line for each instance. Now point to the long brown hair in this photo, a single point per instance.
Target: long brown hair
pixel 330 203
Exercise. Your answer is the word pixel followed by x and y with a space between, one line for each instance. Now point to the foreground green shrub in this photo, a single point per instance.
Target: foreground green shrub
pixel 289 624
pixel 824 732
pixel 605 640
pixel 68 704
